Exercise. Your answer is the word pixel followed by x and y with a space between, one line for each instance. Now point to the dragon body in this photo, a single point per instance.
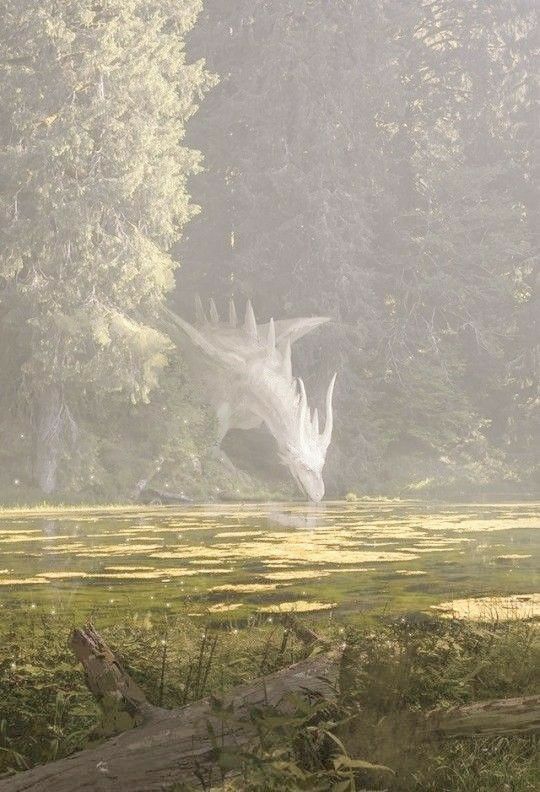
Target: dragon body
pixel 247 374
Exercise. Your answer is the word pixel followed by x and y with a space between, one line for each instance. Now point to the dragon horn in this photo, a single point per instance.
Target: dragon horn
pixel 287 361
pixel 271 339
pixel 326 436
pixel 199 310
pixel 303 405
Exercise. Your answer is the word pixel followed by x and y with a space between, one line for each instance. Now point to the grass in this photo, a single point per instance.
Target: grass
pixel 392 670
pixel 61 508
pixel 30 508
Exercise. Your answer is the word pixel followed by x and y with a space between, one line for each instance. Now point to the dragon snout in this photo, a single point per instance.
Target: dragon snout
pixel 309 482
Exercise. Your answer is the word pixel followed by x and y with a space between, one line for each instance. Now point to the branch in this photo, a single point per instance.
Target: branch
pixel 112 686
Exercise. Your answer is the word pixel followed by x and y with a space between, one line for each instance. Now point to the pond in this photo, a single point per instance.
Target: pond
pixel 228 562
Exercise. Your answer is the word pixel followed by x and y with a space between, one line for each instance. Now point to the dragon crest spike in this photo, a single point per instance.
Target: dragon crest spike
pixel 250 324
pixel 271 339
pixel 199 338
pixel 287 361
pixel 200 314
pixel 326 436
pixel 233 318
pixel 297 328
pixel 214 316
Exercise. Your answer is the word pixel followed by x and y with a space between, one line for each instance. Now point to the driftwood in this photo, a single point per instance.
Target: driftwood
pixel 171 746
pixel 182 746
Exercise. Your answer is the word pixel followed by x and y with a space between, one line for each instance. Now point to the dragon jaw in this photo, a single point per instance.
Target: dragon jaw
pixel 258 360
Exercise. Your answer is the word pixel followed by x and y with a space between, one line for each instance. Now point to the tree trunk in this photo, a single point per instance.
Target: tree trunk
pixel 502 716
pixel 47 441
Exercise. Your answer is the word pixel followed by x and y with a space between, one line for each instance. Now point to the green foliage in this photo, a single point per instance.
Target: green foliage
pixel 366 740
pixel 93 194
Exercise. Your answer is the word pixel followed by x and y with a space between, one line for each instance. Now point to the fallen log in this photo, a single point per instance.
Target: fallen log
pixel 168 747
pixel 500 716
pixel 182 746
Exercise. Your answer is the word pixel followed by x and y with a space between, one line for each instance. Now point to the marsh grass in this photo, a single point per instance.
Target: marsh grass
pixel 58 509
pixel 367 740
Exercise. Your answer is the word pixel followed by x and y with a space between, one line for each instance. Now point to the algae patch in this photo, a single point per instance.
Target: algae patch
pixel 491 609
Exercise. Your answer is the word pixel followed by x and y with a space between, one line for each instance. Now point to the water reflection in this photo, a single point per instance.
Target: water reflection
pixel 311 517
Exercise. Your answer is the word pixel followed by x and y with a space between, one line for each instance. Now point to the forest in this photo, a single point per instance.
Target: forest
pixel 368 162
pixel 269 390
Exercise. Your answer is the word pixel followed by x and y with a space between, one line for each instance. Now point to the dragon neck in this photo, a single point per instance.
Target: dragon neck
pixel 274 399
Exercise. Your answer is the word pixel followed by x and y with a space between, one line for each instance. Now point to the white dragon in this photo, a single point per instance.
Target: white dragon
pixel 248 380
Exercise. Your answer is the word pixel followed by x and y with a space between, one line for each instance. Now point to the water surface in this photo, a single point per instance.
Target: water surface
pixel 229 561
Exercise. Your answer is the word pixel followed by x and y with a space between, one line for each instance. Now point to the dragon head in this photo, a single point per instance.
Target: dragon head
pixel 304 450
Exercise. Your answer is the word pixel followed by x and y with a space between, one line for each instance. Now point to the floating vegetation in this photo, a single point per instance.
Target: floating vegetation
pixel 410 572
pixel 280 549
pixel 291 574
pixel 513 557
pixel 19 539
pixel 491 609
pixel 223 607
pixel 200 571
pixel 236 534
pixel 245 588
pixel 298 606
pixel 124 549
pixel 317 552
pixel 126 575
pixel 59 575
pixel 191 552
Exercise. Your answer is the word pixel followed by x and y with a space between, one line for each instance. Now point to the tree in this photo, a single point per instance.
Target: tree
pixel 371 161
pixel 464 243
pixel 93 174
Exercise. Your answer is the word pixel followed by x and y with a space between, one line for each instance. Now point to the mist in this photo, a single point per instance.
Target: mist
pixel 269 426
pixel 366 163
